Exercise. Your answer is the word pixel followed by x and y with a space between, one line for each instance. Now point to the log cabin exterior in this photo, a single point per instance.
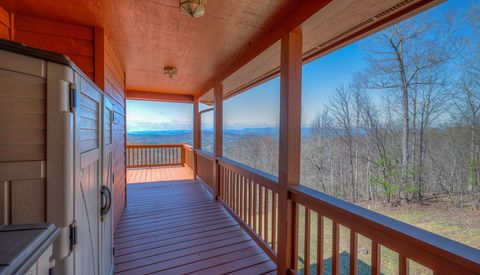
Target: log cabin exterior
pixel 122 46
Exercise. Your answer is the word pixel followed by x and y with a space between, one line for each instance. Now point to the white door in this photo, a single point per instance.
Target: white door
pixel 88 142
pixel 106 203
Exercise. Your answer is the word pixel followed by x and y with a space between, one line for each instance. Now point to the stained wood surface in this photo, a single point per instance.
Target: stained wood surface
pixel 75 41
pixel 172 173
pixel 176 228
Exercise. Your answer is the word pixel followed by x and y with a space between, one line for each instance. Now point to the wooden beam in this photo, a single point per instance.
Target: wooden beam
pixel 153 96
pixel 289 151
pixel 294 16
pixel 99 57
pixel 218 143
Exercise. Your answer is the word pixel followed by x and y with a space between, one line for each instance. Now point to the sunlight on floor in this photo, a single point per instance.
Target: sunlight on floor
pixel 141 175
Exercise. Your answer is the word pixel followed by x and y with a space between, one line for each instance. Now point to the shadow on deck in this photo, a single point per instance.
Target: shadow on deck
pixel 175 227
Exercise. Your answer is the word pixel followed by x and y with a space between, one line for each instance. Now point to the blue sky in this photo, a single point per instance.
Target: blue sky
pixel 259 107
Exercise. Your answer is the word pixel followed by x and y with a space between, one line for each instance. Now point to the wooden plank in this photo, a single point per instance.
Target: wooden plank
pixel 52 42
pixel 46 26
pixel 289 151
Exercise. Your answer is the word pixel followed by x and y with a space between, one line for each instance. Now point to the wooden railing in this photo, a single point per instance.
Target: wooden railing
pixel 156 155
pixel 439 254
pixel 189 156
pixel 251 197
pixel 205 164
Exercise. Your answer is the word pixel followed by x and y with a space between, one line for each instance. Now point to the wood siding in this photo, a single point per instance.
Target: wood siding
pixel 75 41
pixel 115 88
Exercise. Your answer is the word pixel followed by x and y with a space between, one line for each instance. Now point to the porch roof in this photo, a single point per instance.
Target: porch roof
pixel 236 42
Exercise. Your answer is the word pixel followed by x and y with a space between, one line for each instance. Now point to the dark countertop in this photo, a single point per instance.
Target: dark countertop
pixel 22 245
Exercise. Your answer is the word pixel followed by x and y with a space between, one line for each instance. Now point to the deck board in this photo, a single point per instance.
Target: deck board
pixel 175 227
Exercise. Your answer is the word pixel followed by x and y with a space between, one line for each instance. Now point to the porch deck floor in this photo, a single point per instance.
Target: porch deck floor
pixel 175 227
pixel 154 174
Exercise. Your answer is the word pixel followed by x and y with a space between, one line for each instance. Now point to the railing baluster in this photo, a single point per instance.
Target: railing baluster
pixel 306 257
pixel 335 248
pixel 274 221
pixel 295 233
pixel 403 265
pixel 265 223
pixel 260 210
pixel 320 236
pixel 353 252
pixel 375 258
pixel 237 193
pixel 244 198
pixel 255 207
pixel 230 177
pixel 250 203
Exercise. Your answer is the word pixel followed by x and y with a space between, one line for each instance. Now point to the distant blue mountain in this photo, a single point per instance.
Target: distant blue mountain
pixel 160 132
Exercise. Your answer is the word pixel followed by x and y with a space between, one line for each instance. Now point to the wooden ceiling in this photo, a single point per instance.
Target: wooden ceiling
pixel 150 34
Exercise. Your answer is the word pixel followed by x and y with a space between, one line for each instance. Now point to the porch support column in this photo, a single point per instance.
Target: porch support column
pixel 289 151
pixel 196 135
pixel 218 143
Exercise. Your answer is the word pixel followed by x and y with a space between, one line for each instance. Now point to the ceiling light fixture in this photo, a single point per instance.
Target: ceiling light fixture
pixel 170 71
pixel 193 8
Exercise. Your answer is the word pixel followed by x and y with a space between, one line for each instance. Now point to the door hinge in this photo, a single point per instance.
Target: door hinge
pixel 73 235
pixel 113 250
pixel 73 97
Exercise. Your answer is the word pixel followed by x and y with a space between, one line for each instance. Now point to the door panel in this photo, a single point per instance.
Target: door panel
pixel 88 136
pixel 106 226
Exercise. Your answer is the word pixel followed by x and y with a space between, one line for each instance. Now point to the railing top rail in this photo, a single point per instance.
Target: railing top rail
pixel 154 145
pixel 187 146
pixel 256 175
pixel 205 154
pixel 427 248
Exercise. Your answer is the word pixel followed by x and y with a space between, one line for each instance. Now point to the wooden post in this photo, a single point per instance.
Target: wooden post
pixel 218 143
pixel 182 152
pixel 289 151
pixel 196 135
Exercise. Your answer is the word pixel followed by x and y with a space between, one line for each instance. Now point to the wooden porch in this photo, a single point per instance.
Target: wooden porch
pixel 176 227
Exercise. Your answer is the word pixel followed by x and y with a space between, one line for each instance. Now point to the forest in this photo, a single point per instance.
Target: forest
pixel 405 129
